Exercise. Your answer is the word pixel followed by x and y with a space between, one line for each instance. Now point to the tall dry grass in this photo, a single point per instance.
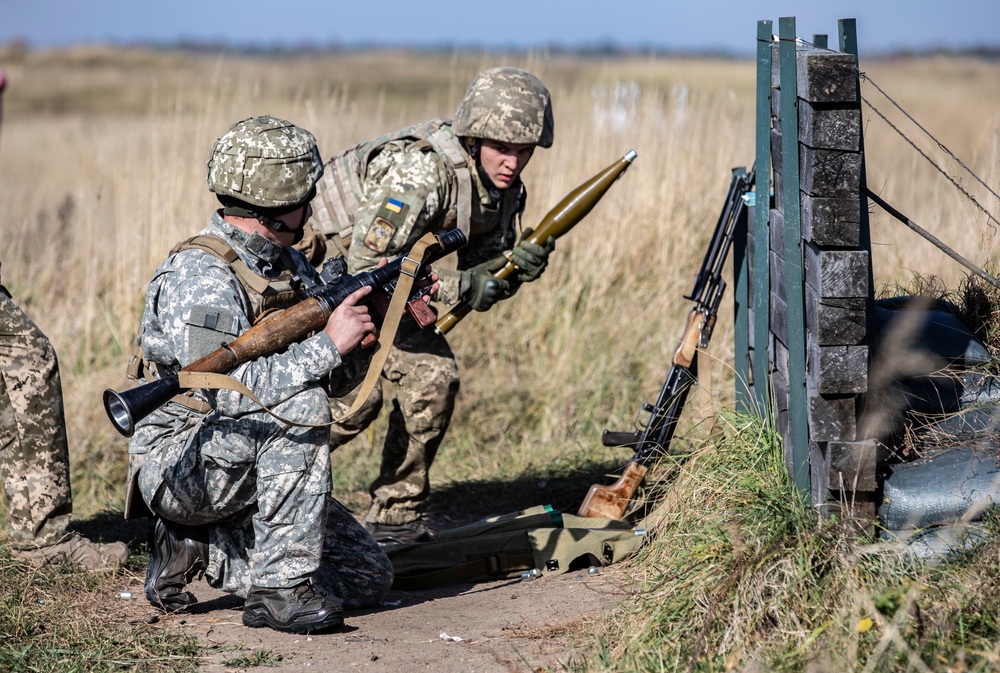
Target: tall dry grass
pixel 102 170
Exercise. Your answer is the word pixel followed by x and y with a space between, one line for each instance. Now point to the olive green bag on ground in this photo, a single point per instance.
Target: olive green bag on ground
pixel 506 546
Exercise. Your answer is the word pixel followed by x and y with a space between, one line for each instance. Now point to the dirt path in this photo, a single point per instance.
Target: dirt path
pixel 504 626
pixel 523 626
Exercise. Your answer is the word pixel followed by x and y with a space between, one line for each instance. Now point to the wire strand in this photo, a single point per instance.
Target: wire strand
pixel 862 76
pixel 940 170
pixel 937 142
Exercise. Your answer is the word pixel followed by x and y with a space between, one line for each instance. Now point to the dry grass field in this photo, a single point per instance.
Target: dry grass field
pixel 102 157
pixel 102 170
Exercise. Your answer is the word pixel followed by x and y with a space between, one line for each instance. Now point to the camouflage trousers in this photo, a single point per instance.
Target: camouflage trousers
pixel 34 457
pixel 262 489
pixel 424 376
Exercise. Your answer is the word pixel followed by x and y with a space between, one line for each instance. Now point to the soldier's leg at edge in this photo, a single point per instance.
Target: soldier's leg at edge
pixel 33 447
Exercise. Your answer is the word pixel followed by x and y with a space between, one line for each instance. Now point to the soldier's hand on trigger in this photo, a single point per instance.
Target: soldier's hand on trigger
pixel 531 258
pixel 480 289
pixel 350 322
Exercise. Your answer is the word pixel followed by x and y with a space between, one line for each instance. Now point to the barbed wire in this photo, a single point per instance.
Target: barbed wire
pixel 940 170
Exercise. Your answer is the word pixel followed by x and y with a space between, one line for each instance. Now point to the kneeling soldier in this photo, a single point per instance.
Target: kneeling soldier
pixel 233 491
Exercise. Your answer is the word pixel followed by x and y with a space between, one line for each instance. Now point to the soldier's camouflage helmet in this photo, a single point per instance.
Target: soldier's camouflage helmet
pixel 509 105
pixel 265 161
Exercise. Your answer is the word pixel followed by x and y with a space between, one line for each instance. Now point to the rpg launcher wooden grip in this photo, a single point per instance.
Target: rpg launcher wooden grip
pixel 567 213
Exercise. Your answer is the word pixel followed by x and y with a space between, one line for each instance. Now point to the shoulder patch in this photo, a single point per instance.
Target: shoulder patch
pixel 380 235
pixel 208 328
pixel 393 210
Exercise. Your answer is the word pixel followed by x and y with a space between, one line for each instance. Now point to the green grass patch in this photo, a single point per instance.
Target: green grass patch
pixel 61 620
pixel 255 658
pixel 741 575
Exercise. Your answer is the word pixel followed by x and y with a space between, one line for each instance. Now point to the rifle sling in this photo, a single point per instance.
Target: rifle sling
pixel 409 268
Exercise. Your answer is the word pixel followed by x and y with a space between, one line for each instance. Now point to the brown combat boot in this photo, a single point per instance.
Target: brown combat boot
pixel 78 551
pixel 296 610
pixel 177 554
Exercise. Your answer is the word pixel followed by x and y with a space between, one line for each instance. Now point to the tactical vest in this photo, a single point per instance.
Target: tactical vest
pixel 341 189
pixel 266 295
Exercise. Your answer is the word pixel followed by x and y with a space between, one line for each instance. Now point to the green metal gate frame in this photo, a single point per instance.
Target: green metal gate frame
pixel 758 376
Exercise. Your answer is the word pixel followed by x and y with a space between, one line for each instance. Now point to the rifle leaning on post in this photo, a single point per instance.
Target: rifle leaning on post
pixel 563 217
pixel 270 335
pixel 651 442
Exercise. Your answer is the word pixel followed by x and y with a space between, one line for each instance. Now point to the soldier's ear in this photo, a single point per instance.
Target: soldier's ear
pixel 472 145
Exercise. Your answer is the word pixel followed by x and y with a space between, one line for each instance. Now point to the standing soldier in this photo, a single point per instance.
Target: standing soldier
pixel 34 455
pixel 235 492
pixel 376 199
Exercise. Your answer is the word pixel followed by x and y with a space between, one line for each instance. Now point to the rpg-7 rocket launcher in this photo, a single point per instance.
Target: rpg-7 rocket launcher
pixel 566 214
pixel 653 441
pixel 270 335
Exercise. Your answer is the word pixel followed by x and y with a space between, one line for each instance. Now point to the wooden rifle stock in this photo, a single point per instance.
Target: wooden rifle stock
pixel 654 440
pixel 611 502
pixel 566 214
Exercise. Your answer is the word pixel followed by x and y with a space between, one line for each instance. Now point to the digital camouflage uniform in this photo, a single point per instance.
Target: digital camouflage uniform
pixel 409 185
pixel 34 456
pixel 262 487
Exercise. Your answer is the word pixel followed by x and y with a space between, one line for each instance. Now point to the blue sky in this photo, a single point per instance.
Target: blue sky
pixel 688 25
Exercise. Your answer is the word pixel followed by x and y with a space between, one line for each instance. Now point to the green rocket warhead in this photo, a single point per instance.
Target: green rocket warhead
pixel 573 208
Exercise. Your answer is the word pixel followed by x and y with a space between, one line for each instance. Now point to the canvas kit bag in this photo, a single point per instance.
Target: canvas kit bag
pixel 540 538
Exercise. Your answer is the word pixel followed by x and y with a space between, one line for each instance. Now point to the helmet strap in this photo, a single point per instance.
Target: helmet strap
pixel 268 216
pixel 475 146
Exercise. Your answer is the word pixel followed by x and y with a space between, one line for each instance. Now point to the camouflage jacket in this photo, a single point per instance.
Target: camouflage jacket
pixel 410 189
pixel 195 302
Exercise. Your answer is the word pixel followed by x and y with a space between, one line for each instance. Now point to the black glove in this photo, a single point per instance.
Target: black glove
pixel 480 289
pixel 530 258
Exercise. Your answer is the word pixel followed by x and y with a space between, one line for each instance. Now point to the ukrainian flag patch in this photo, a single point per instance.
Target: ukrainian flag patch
pixel 393 210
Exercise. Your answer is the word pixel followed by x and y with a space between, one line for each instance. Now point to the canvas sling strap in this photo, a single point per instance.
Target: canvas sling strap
pixel 409 269
pixel 540 538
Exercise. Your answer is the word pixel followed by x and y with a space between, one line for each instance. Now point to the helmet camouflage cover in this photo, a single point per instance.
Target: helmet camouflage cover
pixel 265 161
pixel 508 105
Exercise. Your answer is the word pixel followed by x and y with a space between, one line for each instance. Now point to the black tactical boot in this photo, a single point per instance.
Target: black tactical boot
pixel 177 554
pixel 296 610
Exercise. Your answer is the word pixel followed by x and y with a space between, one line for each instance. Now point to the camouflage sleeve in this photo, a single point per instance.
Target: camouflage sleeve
pixel 411 197
pixel 198 304
pixel 448 286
